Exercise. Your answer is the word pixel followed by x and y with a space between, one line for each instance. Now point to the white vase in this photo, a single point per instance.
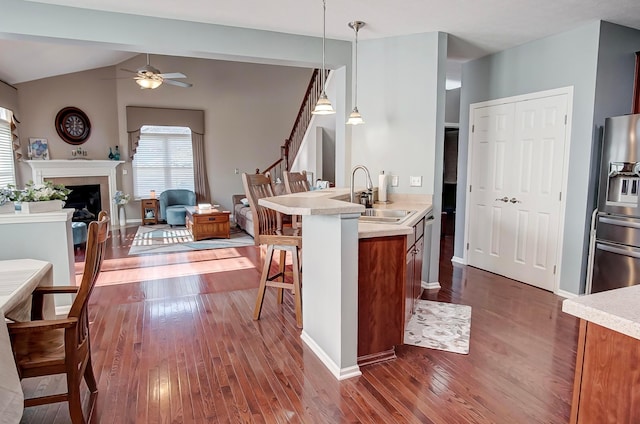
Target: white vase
pixel 122 216
pixel 43 206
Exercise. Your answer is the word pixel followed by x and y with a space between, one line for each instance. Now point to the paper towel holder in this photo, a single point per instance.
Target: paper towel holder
pixel 382 177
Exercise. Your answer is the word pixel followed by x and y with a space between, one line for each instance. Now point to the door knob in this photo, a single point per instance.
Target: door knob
pixel 514 200
pixel 504 199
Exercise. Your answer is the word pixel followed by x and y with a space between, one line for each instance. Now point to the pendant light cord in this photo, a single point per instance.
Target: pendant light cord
pixel 356 84
pixel 324 35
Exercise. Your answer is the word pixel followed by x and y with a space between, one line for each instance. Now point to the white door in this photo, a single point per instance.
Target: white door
pixel 516 179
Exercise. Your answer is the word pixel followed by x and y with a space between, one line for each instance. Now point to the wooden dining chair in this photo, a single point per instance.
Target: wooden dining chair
pixel 44 347
pixel 295 182
pixel 269 231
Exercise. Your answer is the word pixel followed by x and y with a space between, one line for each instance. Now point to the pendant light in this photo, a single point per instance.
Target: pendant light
pixel 354 117
pixel 323 106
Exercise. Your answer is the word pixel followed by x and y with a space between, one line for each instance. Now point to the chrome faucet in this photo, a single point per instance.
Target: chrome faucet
pixel 353 173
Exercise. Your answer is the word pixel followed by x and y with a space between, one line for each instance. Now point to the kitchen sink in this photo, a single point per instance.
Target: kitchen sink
pixel 386 216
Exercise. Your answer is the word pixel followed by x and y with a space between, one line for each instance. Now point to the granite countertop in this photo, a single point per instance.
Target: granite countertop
pixel 616 309
pixel 333 201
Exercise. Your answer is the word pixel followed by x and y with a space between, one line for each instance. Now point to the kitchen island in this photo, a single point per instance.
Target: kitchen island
pixel 331 232
pixel 607 374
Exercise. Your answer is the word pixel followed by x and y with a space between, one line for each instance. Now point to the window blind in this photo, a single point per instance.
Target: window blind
pixel 7 169
pixel 163 161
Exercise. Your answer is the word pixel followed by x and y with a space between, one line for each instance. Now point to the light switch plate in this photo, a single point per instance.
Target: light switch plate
pixel 415 181
pixel 395 180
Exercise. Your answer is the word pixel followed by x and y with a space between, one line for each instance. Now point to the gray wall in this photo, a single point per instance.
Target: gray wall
pixel 614 85
pixel 598 60
pixel 567 59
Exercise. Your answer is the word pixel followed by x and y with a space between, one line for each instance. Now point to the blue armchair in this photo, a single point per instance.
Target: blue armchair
pixel 172 205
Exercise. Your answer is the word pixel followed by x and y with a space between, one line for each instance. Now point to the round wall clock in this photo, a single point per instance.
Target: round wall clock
pixel 73 125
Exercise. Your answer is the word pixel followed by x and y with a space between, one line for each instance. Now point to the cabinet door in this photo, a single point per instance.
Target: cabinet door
pixel 417 268
pixel 408 286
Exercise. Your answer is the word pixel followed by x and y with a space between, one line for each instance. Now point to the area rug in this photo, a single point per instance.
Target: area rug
pixel 438 325
pixel 164 239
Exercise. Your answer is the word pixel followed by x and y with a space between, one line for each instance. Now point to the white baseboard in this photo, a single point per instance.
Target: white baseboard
pixel 430 286
pixel 339 373
pixel 566 294
pixel 458 260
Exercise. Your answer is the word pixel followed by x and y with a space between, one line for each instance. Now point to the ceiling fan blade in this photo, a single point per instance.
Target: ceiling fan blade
pixel 178 83
pixel 129 70
pixel 173 75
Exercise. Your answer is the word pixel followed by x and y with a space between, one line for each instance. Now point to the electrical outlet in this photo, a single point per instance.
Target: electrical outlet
pixel 415 181
pixel 124 172
pixel 395 180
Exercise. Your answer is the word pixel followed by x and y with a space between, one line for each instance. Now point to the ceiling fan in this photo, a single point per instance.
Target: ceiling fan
pixel 150 77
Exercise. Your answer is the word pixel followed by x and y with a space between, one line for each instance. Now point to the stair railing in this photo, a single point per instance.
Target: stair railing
pixel 291 146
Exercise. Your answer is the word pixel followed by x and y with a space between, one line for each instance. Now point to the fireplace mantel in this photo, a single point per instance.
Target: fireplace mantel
pixel 61 168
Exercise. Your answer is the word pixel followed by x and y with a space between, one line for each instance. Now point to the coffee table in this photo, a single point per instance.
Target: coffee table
pixel 208 223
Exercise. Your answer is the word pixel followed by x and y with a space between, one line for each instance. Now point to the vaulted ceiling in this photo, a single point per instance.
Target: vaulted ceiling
pixel 476 27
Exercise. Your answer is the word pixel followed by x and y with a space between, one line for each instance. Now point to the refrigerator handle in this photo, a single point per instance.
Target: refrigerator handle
pixel 635 253
pixel 619 222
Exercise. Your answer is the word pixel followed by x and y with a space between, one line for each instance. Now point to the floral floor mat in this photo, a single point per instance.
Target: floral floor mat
pixel 438 325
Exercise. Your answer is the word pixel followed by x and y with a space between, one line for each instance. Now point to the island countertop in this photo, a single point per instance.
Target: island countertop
pixel 333 201
pixel 616 309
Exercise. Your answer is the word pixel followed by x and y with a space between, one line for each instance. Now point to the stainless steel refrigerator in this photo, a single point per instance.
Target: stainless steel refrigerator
pixel 616 254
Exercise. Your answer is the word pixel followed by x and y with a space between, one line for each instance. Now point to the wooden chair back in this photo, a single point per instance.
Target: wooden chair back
pixel 265 221
pixel 97 235
pixel 44 347
pixel 296 182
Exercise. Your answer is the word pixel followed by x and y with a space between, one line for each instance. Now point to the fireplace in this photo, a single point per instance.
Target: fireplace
pixel 81 173
pixel 86 200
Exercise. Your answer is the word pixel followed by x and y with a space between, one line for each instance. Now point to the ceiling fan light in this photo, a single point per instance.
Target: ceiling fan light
pixel 355 118
pixel 149 83
pixel 323 106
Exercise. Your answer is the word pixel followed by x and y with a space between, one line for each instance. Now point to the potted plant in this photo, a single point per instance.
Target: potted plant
pixel 46 197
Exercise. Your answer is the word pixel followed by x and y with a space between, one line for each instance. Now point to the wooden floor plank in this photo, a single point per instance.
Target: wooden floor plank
pixel 173 341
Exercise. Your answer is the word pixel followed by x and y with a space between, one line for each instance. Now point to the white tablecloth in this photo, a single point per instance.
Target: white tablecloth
pixel 18 278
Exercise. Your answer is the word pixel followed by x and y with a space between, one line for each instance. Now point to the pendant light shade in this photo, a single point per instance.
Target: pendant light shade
pixel 323 106
pixel 354 117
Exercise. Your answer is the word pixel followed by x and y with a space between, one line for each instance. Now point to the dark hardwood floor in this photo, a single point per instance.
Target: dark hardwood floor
pixel 173 342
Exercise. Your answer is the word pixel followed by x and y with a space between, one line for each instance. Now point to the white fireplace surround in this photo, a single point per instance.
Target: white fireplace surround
pixel 61 168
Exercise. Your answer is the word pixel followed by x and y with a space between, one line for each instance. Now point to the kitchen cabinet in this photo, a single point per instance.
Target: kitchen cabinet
pixel 381 279
pixel 606 377
pixel 413 263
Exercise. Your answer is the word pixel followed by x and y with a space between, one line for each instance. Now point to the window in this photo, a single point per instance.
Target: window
pixel 7 166
pixel 163 160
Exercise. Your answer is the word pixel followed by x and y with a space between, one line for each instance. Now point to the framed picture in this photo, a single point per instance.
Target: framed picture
pixel 38 149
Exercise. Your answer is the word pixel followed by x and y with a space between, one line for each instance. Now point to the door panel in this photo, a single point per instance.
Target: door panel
pixel 490 170
pixel 522 145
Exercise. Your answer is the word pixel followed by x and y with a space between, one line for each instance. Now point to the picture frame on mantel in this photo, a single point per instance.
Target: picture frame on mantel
pixel 38 149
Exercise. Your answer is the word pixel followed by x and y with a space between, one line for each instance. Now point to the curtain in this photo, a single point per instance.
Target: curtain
pixel 15 143
pixel 134 139
pixel 201 183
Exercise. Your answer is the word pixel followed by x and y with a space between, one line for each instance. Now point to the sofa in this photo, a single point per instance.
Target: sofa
pixel 173 203
pixel 243 215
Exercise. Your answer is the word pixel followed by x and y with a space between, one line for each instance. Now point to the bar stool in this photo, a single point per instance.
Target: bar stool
pixel 268 231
